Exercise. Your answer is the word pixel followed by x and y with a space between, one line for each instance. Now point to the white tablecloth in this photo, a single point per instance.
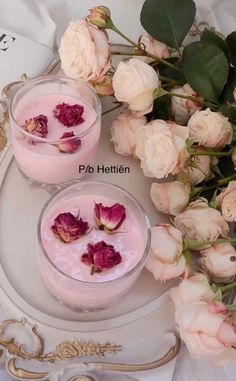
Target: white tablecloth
pixel 44 22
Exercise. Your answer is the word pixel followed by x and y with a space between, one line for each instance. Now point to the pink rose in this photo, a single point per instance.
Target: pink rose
pixel 68 228
pixel 154 47
pixel 210 129
pixel 165 260
pixel 134 83
pixel 37 126
pixel 200 223
pixel 69 115
pixel 124 132
pixel 196 288
pixel 161 147
pixel 201 171
pixel 171 197
pixel 183 109
pixel 84 51
pixel 227 201
pixel 101 256
pixel 219 262
pixel 109 218
pixel 208 332
pixel 71 145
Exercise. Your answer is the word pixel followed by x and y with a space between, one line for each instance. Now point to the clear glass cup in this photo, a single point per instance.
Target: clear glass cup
pixel 39 159
pixel 84 295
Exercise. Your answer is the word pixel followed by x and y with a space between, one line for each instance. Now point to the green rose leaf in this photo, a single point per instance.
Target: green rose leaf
pixel 213 38
pixel 231 42
pixel 206 69
pixel 168 20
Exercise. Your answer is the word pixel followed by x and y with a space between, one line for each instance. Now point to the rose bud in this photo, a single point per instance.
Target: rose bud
pixel 100 16
pixel 227 202
pixel 37 126
pixel 68 227
pixel 101 256
pixel 109 218
pixel 152 46
pixel 103 86
pixel 69 146
pixel 182 109
pixel 69 115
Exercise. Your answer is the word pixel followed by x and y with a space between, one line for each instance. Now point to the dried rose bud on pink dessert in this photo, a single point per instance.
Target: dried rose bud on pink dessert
pixel 101 256
pixel 37 126
pixel 69 115
pixel 109 218
pixel 69 228
pixel 71 145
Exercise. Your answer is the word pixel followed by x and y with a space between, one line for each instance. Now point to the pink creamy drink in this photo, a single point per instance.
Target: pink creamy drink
pixel 62 268
pixel 51 159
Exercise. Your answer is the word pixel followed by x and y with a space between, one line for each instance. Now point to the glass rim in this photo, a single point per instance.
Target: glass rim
pixel 52 78
pixel 111 281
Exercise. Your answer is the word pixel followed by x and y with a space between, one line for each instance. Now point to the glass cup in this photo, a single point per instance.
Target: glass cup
pixel 39 159
pixel 91 295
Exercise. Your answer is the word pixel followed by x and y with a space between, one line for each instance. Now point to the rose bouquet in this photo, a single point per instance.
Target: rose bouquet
pixel 179 122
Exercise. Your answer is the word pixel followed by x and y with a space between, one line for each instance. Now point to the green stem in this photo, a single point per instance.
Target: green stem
pixel 127 54
pixel 195 244
pixel 208 153
pixel 228 287
pixel 159 59
pixel 226 180
pixel 112 109
pixel 193 99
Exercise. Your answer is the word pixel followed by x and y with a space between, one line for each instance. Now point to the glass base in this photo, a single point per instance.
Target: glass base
pixel 50 188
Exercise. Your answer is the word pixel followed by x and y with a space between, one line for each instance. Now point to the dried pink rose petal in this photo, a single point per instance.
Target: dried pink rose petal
pixel 101 256
pixel 68 227
pixel 37 126
pixel 109 218
pixel 69 115
pixel 71 145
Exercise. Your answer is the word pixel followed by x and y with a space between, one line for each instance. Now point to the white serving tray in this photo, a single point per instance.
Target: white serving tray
pixel 138 327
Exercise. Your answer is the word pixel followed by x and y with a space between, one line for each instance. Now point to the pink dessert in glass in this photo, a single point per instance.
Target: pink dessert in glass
pixel 70 274
pixel 52 153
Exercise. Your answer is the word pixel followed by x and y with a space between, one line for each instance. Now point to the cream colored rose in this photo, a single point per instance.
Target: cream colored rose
pixel 183 109
pixel 134 83
pixel 201 171
pixel 162 149
pixel 200 223
pixel 171 197
pixel 227 201
pixel 154 47
pixel 84 51
pixel 208 334
pixel 220 262
pixel 210 129
pixel 196 288
pixel 165 260
pixel 124 133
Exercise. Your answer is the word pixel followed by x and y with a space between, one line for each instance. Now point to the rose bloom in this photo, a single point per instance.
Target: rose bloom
pixel 154 47
pixel 124 133
pixel 161 148
pixel 183 109
pixel 219 262
pixel 134 83
pixel 200 223
pixel 84 51
pixel 227 201
pixel 194 289
pixel 210 129
pixel 165 260
pixel 208 332
pixel 203 170
pixel 171 197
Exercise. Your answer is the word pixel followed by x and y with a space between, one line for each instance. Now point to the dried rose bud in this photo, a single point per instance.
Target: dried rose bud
pixel 70 146
pixel 103 86
pixel 37 126
pixel 101 256
pixel 109 218
pixel 69 115
pixel 69 228
pixel 100 16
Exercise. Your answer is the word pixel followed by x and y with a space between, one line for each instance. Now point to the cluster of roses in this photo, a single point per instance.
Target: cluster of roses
pixel 68 115
pixel 187 147
pixel 100 256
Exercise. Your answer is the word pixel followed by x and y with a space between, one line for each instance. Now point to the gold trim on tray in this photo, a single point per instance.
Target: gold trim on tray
pixel 68 350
